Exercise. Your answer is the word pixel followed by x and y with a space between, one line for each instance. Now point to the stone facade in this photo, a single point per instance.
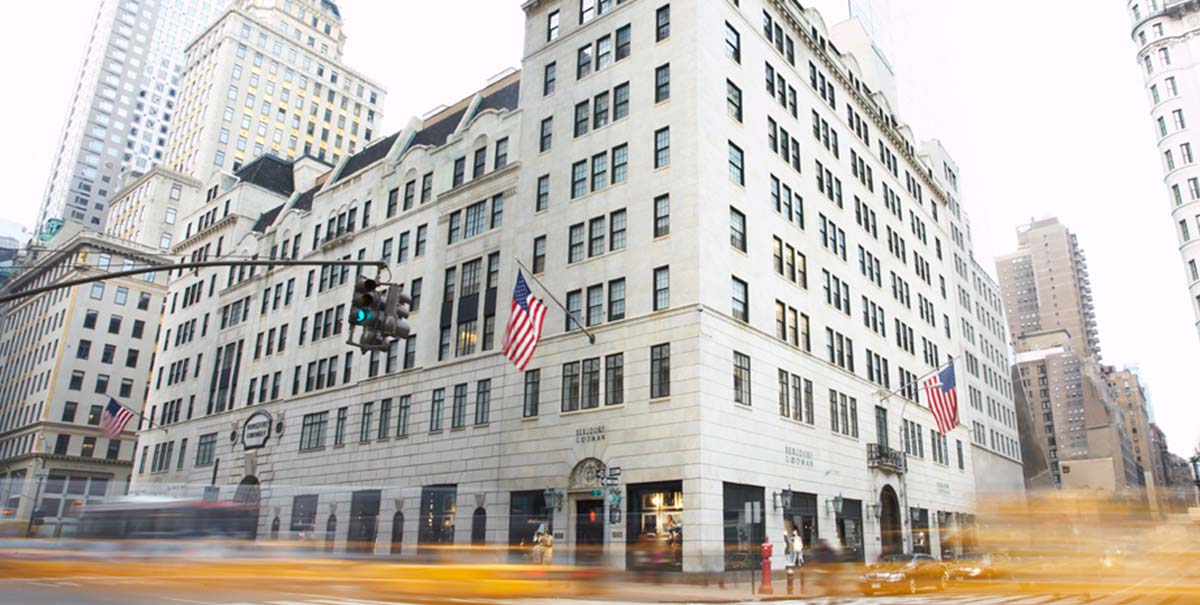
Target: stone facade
pixel 759 323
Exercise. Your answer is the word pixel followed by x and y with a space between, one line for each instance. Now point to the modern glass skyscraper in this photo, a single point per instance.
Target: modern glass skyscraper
pixel 125 97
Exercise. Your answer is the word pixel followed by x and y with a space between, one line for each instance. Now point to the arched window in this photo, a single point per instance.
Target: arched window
pixel 479 526
pixel 330 532
pixel 397 532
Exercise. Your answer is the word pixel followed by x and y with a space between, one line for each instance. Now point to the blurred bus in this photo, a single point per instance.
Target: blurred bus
pixel 151 517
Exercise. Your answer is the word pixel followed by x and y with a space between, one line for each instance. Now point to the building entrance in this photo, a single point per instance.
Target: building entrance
pixel 589 531
pixel 891 528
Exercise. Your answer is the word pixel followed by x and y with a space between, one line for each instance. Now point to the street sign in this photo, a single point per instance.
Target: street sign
pixel 615 516
pixel 614 471
pixel 609 482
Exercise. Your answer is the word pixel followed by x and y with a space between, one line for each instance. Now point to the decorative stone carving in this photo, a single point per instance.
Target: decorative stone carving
pixel 584 475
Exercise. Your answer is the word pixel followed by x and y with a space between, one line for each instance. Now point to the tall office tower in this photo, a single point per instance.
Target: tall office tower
pixel 63 355
pixel 1050 313
pixel 1163 31
pixel 268 78
pixel 769 261
pixel 124 104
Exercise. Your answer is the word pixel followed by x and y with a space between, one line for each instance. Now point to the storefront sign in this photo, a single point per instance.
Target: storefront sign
pixel 797 456
pixel 257 430
pixel 943 488
pixel 590 434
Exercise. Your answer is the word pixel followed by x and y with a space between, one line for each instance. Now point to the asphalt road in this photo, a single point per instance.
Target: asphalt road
pixel 97 591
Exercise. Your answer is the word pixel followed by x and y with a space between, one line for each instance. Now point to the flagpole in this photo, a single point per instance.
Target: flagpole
pixel 149 421
pixel 575 320
pixel 906 514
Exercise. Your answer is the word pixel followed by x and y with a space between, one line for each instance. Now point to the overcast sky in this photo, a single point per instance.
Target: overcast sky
pixel 1045 114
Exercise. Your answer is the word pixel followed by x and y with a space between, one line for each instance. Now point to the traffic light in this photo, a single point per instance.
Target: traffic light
pixel 367 310
pixel 395 313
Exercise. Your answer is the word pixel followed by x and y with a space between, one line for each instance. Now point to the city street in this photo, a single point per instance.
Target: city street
pixel 115 591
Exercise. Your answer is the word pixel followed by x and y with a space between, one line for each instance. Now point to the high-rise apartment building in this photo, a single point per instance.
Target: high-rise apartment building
pixel 769 261
pixel 124 103
pixel 267 77
pixel 1048 302
pixel 1163 31
pixel 63 354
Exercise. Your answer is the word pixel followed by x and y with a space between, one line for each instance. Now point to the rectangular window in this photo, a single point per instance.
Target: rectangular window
pixel 662 147
pixel 736 164
pixel 616 299
pixel 600 110
pixel 733 100
pixel 662 83
pixel 741 300
pixel 364 431
pixel 539 254
pixel 312 431
pixel 662 215
pixel 570 387
pixel 616 224
pixel 575 243
pixel 620 164
pixel 549 78
pixel 437 409
pixel 579 179
pixel 623 42
pixel 582 118
pixel 614 379
pixel 596 236
pixel 662 23
pixel 547 136
pixel 660 371
pixel 533 385
pixel 483 401
pixel 590 384
pixel 662 288
pixel 458 410
pixel 741 378
pixel 733 43
pixel 339 430
pixel 620 101
pixel 583 64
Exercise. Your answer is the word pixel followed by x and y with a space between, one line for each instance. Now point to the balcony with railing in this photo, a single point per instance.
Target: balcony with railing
pixel 884 458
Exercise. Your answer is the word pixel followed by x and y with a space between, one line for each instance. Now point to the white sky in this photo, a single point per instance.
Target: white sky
pixel 1044 112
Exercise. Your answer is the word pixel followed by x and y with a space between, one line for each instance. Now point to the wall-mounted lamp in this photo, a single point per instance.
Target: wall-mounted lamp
pixel 834 504
pixel 875 510
pixel 782 499
pixel 554 498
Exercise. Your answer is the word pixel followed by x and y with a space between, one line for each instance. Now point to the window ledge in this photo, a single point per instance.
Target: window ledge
pixel 660 399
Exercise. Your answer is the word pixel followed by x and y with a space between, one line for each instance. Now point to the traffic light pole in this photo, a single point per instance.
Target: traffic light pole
pixel 193 265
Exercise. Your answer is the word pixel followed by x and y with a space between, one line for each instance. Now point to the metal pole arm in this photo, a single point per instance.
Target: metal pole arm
pixel 193 265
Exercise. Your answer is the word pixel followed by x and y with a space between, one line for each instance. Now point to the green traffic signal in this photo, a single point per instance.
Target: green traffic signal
pixel 362 316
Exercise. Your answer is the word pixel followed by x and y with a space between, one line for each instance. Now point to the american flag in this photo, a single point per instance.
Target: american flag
pixel 114 418
pixel 524 325
pixel 943 399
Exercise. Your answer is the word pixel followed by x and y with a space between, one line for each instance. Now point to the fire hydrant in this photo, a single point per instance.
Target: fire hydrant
pixel 767 549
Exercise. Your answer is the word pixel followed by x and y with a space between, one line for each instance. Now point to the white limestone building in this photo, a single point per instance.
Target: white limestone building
pixel 1164 32
pixel 757 243
pixel 63 354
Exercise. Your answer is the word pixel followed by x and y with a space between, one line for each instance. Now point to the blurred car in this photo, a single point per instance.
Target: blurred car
pixel 904 573
pixel 986 566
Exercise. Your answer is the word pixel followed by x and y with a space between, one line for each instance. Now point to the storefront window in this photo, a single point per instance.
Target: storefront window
pixel 744 527
pixel 849 528
pixel 920 529
pixel 654 527
pixel 802 517
pixel 364 521
pixel 527 511
pixel 437 515
pixel 14 484
pixel 304 516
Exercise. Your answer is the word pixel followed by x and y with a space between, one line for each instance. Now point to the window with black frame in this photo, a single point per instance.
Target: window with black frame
pixel 654 527
pixel 527 512
pixel 437 515
pixel 744 526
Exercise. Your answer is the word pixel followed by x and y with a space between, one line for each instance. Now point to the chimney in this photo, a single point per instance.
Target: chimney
pixel 305 172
